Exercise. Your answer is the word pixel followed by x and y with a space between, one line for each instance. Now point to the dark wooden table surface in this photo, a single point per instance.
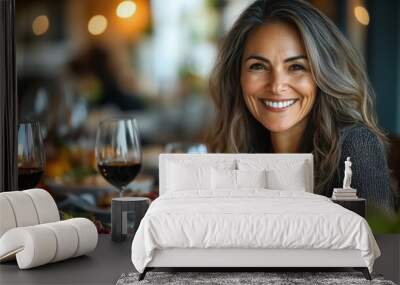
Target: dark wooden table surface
pixel 102 266
pixel 110 259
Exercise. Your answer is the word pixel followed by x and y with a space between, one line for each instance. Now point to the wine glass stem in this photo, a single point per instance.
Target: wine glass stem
pixel 121 192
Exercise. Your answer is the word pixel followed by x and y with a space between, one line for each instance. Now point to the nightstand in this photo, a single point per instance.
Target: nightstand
pixel 357 205
pixel 126 214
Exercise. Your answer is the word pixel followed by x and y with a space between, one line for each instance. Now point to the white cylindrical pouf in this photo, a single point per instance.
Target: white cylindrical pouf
pixel 7 218
pixel 87 235
pixel 45 205
pixel 34 245
pixel 67 239
pixel 23 208
pixel 40 244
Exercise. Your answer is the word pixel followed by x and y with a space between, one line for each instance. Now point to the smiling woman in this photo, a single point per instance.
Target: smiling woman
pixel 277 83
pixel 288 81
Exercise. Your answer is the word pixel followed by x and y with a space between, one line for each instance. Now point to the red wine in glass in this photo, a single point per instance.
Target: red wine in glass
pixel 31 157
pixel 29 177
pixel 118 151
pixel 119 174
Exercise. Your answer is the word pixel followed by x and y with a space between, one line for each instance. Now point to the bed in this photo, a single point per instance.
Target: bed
pixel 246 211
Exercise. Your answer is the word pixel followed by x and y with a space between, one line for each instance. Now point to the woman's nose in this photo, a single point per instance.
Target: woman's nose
pixel 278 82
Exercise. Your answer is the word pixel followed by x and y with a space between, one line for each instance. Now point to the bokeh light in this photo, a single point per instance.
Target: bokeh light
pixel 126 9
pixel 361 15
pixel 40 25
pixel 97 25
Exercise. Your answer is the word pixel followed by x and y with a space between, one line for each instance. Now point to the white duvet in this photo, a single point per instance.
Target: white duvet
pixel 252 218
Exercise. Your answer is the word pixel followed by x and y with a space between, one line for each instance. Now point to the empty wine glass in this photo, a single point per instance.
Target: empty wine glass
pixel 31 157
pixel 118 151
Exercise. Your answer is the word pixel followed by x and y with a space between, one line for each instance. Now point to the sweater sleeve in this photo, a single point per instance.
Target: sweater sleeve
pixel 370 168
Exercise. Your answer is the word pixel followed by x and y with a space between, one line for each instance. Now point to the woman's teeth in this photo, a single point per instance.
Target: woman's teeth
pixel 279 105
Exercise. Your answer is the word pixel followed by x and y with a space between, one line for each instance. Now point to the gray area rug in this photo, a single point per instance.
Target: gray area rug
pixel 229 278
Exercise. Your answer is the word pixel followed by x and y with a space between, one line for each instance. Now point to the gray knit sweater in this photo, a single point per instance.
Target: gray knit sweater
pixel 369 165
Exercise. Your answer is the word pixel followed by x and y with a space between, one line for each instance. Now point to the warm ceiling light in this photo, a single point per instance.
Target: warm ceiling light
pixel 97 25
pixel 40 25
pixel 361 15
pixel 126 9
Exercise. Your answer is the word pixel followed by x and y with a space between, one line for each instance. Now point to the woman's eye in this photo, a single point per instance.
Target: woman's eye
pixel 257 66
pixel 295 67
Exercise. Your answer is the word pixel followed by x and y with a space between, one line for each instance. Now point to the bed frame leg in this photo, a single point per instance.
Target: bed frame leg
pixel 143 274
pixel 364 271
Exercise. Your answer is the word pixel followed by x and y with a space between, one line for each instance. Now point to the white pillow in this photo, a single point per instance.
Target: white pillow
pixel 223 179
pixel 182 177
pixel 227 179
pixel 281 174
pixel 251 178
pixel 292 179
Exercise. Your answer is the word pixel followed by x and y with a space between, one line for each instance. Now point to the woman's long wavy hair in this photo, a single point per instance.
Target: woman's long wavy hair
pixel 344 96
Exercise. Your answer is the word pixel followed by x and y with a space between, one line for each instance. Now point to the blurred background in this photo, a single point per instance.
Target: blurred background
pixel 80 61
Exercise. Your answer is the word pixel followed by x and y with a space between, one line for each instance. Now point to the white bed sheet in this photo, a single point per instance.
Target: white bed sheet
pixel 252 218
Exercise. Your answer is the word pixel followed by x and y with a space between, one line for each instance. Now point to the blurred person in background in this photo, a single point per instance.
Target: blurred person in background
pixel 98 80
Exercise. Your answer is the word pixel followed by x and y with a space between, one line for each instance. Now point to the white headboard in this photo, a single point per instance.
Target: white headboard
pixel 228 158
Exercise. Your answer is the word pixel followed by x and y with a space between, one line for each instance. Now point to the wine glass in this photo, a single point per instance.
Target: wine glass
pixel 118 151
pixel 31 157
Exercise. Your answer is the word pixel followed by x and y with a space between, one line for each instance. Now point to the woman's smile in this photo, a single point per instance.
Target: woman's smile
pixel 274 105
